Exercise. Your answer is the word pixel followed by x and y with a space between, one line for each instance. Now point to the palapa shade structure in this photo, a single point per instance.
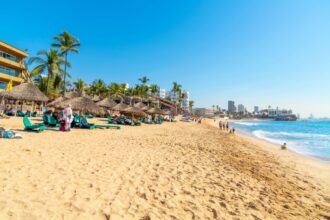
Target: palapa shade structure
pixel 140 105
pixel 106 103
pixel 25 92
pixel 134 111
pixel 168 112
pixel 155 111
pixel 120 107
pixel 96 98
pixel 146 108
pixel 57 101
pixel 81 104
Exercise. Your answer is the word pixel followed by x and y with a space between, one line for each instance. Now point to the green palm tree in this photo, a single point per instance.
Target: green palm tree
pixel 116 90
pixel 144 80
pixel 66 43
pixel 154 89
pixel 98 87
pixel 191 104
pixel 79 85
pixel 47 62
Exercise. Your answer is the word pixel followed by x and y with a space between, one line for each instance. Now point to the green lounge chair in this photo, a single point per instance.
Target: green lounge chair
pixel 34 114
pixel 90 116
pixel 32 127
pixel 52 122
pixel 84 124
pixel 20 113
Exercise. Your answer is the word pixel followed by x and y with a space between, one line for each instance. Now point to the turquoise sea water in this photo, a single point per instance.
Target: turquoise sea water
pixel 305 137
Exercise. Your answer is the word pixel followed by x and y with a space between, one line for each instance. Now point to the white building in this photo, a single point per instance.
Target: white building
pixel 240 108
pixel 185 101
pixel 256 109
pixel 231 106
pixel 174 97
pixel 162 93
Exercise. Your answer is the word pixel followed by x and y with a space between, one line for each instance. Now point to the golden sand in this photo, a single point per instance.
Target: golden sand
pixel 170 171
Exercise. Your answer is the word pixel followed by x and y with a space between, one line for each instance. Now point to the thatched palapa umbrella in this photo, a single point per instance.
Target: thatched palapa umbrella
pixel 81 104
pixel 120 107
pixel 140 105
pixel 146 108
pixel 155 111
pixel 25 92
pixel 57 101
pixel 96 98
pixel 134 111
pixel 106 103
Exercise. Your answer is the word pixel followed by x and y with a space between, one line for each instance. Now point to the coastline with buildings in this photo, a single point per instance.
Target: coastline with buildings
pixel 240 112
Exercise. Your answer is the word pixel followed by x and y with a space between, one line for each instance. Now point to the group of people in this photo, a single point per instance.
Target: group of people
pixel 225 127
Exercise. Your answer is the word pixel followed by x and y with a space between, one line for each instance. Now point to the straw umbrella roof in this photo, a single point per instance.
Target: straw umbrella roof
pixel 106 103
pixel 155 111
pixel 81 104
pixel 168 112
pixel 96 98
pixel 134 110
pixel 145 108
pixel 25 92
pixel 58 101
pixel 120 107
pixel 140 105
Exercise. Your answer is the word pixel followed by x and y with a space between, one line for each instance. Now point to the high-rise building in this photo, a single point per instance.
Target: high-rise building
pixel 231 106
pixel 185 101
pixel 162 93
pixel 12 66
pixel 240 108
pixel 256 109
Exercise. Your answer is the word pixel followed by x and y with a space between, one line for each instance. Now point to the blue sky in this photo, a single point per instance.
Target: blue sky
pixel 254 52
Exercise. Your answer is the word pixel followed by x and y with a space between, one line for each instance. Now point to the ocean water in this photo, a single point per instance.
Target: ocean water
pixel 304 137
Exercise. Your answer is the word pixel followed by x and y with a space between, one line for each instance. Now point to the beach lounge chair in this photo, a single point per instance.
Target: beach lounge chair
pixel 19 113
pixel 51 121
pixel 32 127
pixel 90 116
pixel 84 123
pixel 34 114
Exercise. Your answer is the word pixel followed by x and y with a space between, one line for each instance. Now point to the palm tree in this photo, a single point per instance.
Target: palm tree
pixel 79 85
pixel 154 89
pixel 98 87
pixel 66 43
pixel 48 62
pixel 191 104
pixel 144 80
pixel 116 89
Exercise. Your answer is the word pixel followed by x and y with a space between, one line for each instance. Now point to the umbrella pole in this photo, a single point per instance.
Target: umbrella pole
pixel 132 119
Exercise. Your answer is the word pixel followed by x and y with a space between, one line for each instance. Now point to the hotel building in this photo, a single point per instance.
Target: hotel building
pixel 12 66
pixel 231 106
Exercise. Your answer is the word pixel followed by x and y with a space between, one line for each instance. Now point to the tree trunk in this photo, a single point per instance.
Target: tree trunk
pixel 47 84
pixel 66 59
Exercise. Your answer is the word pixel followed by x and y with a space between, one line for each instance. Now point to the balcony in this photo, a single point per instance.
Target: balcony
pixel 11 64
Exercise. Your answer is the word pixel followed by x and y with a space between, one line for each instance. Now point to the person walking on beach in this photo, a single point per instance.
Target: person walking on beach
pixel 227 126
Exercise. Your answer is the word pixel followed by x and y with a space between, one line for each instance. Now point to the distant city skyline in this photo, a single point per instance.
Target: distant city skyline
pixel 254 52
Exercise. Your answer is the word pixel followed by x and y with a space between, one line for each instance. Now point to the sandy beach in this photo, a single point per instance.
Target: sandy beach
pixel 169 171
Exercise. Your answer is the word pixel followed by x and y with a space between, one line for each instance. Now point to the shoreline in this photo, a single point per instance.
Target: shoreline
pixel 305 163
pixel 250 136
